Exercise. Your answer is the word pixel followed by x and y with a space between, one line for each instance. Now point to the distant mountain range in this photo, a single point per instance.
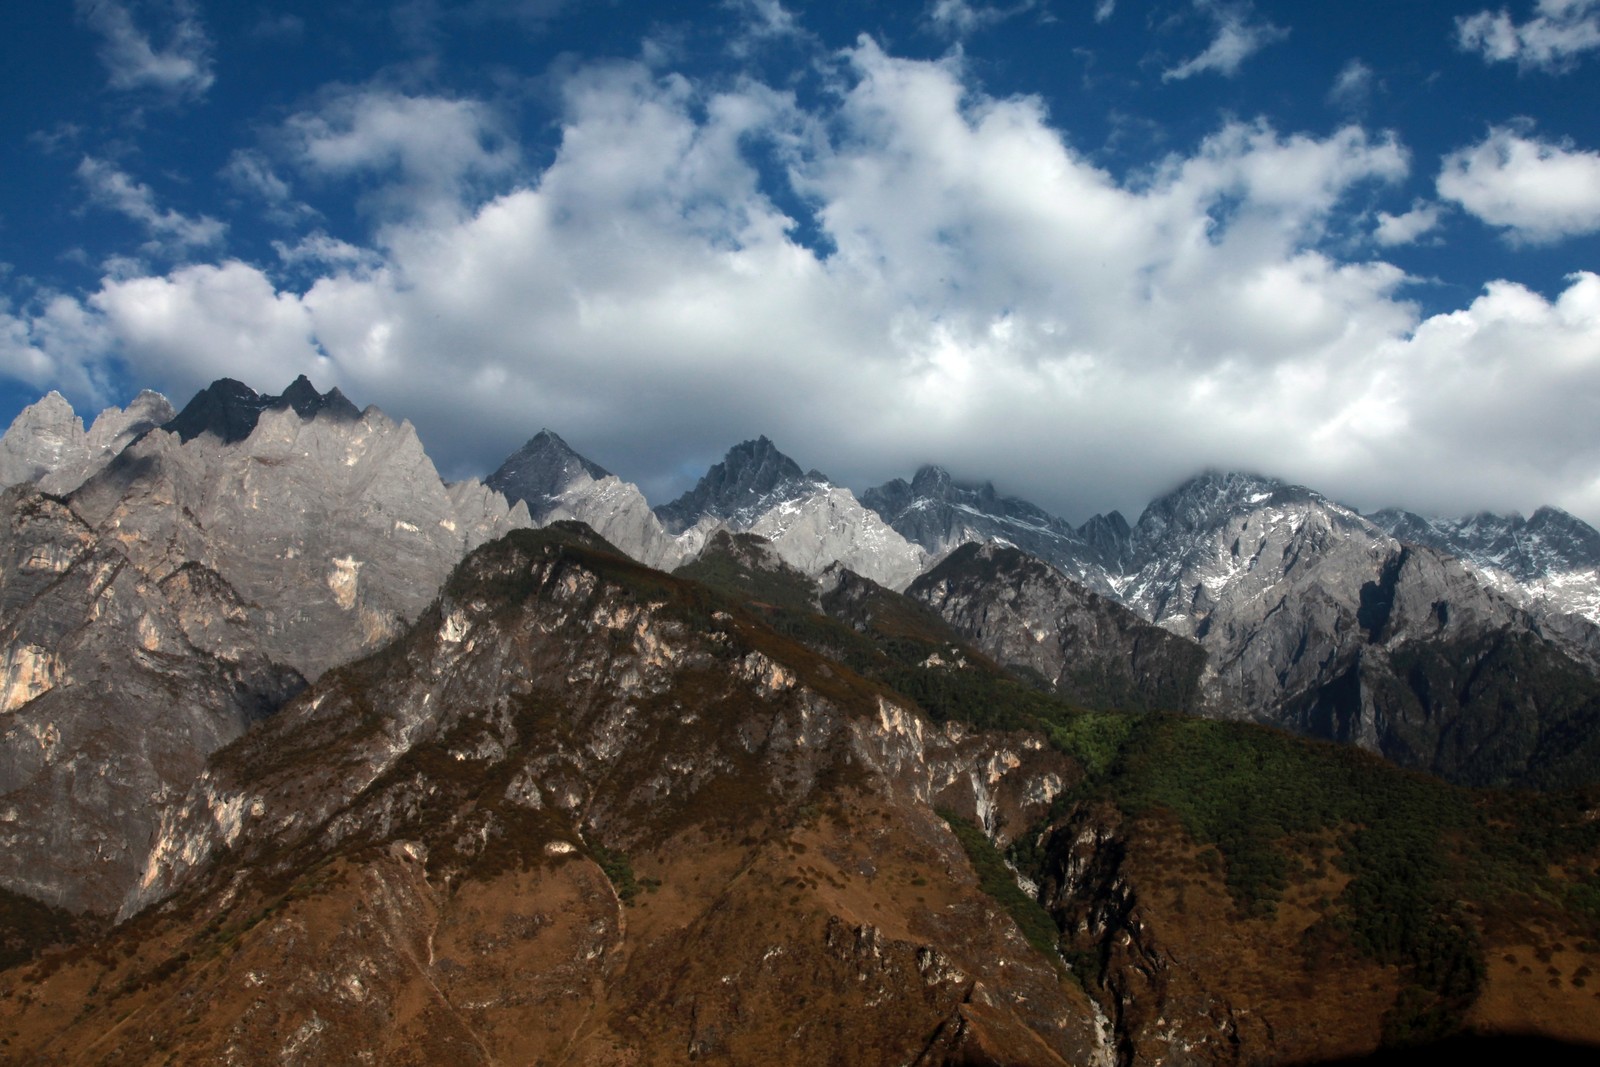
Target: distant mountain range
pixel 257 659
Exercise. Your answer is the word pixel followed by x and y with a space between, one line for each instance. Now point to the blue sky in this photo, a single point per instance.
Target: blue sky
pixel 1080 248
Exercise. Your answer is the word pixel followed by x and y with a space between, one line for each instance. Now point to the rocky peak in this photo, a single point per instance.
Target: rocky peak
pixel 1111 539
pixel 1551 559
pixel 45 435
pixel 939 513
pixel 230 409
pixel 1210 498
pixel 931 481
pixel 539 471
pixel 752 478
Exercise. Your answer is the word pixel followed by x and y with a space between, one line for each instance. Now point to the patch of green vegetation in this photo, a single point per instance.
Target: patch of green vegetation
pixel 619 870
pixel 998 880
pixel 1093 738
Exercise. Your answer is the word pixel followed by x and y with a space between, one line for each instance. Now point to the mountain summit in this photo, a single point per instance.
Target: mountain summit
pixel 537 473
pixel 230 409
pixel 753 478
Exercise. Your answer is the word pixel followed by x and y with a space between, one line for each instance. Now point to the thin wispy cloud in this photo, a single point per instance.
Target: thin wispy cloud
pixel 1553 40
pixel 1239 35
pixel 175 61
pixel 1352 89
pixel 170 231
pixel 958 19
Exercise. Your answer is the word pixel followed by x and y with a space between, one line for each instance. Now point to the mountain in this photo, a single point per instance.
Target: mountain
pixel 938 513
pixel 115 687
pixel 537 473
pixel 558 484
pixel 570 811
pixel 186 590
pixel 752 479
pixel 1552 558
pixel 1027 615
pixel 47 444
pixel 229 410
pixel 809 522
pixel 334 527
pixel 584 810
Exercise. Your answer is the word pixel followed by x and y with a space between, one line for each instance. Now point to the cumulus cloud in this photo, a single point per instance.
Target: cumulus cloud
pixel 1537 191
pixel 1238 37
pixel 170 231
pixel 1104 9
pixel 990 298
pixel 179 68
pixel 1559 33
pixel 1408 227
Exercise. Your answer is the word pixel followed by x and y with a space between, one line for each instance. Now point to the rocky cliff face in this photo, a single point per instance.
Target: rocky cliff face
pixel 334 530
pixel 185 591
pixel 116 685
pixel 48 446
pixel 1551 560
pixel 1029 616
pixel 573 812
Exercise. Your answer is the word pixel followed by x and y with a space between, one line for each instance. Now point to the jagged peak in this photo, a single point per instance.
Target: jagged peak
pixel 230 409
pixel 539 471
pixel 752 476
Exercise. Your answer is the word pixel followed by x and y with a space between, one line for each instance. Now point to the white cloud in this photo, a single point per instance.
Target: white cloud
pixel 1559 32
pixel 765 18
pixel 170 231
pixel 1538 191
pixel 1352 89
pixel 1104 9
pixel 426 153
pixel 991 299
pixel 959 19
pixel 1238 38
pixel 180 68
pixel 208 321
pixel 1407 228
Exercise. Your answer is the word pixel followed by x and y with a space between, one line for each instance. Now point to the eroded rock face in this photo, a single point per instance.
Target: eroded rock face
pixel 1551 560
pixel 335 531
pixel 47 444
pixel 116 688
pixel 1028 615
pixel 445 810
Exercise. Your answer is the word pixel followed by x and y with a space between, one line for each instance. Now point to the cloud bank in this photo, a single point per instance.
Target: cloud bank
pixel 977 293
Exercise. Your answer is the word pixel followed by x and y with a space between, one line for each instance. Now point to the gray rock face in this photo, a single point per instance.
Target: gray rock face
pixel 539 471
pixel 115 687
pixel 827 526
pixel 938 513
pixel 185 591
pixel 334 531
pixel 46 443
pixel 1025 614
pixel 751 480
pixel 1552 559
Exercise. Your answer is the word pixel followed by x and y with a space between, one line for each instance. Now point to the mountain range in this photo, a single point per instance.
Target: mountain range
pixel 308 755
